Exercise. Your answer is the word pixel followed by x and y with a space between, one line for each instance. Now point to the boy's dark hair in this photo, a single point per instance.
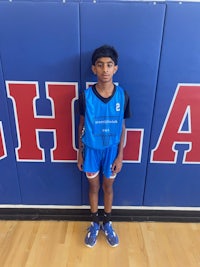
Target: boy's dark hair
pixel 105 51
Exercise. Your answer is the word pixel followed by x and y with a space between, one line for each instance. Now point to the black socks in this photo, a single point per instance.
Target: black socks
pixel 95 217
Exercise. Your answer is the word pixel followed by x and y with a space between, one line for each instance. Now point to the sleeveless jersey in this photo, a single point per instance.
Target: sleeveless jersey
pixel 103 121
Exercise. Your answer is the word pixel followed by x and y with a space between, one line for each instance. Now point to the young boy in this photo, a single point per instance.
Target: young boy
pixel 103 108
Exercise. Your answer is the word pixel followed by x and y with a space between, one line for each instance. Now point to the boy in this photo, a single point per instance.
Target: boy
pixel 103 108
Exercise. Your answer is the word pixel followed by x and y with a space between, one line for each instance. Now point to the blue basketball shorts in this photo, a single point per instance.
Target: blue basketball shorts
pixel 100 159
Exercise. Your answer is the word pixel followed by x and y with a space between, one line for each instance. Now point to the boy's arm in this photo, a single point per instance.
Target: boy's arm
pixel 117 165
pixel 80 144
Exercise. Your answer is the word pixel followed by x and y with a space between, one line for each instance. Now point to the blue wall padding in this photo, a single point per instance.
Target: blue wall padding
pixel 176 184
pixel 50 42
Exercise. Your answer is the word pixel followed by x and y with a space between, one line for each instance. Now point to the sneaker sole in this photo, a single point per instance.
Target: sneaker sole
pixel 89 246
pixel 113 246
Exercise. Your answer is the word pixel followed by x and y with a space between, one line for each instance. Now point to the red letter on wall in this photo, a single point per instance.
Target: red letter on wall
pixel 3 152
pixel 133 145
pixel 29 124
pixel 185 107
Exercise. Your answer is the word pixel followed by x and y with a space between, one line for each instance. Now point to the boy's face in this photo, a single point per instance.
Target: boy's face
pixel 104 68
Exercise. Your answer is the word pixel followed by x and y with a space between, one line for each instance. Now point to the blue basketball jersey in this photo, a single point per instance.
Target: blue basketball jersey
pixel 103 121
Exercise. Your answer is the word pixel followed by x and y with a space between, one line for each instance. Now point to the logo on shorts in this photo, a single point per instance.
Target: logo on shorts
pixel 117 106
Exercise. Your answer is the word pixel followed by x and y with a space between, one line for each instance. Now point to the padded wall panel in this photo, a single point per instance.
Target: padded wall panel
pixel 135 29
pixel 39 42
pixel 9 184
pixel 177 183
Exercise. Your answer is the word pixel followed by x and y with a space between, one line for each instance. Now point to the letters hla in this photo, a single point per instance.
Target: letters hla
pixel 61 123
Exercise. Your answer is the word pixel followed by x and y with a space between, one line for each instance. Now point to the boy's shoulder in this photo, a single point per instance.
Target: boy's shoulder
pixel 89 88
pixel 121 88
pixel 118 87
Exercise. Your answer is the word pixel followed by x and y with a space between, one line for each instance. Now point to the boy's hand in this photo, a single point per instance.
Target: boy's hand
pixel 80 161
pixel 117 165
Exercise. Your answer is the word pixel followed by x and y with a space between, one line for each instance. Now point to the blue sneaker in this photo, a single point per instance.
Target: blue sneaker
pixel 91 237
pixel 111 236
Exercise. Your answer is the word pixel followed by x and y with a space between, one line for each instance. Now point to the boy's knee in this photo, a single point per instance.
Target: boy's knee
pixel 107 188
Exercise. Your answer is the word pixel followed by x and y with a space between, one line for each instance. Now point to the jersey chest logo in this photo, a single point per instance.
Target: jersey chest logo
pixel 117 106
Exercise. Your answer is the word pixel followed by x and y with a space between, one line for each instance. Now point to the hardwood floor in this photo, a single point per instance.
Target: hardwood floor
pixel 60 244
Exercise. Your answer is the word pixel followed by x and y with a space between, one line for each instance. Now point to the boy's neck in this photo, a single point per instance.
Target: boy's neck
pixel 105 89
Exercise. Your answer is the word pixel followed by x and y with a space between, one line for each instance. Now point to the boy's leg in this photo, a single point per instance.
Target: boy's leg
pixel 93 230
pixel 111 236
pixel 108 194
pixel 109 177
pixel 94 186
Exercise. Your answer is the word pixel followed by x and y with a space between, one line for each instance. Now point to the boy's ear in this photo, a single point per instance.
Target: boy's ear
pixel 115 69
pixel 94 69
